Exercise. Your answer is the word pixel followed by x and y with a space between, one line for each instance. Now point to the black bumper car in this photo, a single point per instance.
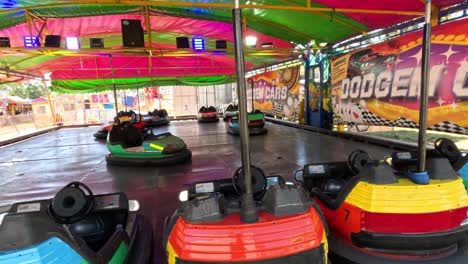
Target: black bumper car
pixel 75 227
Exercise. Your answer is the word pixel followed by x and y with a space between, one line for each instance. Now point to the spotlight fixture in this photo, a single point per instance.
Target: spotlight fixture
pixel 323 44
pixel 221 44
pixel 5 42
pixel 251 41
pixel 182 43
pixel 198 44
pixel 96 43
pixel 72 43
pixel 31 42
pixel 52 41
pixel 267 45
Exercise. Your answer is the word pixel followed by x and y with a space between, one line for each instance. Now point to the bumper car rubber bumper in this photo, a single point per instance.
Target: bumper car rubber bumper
pixel 253 131
pixel 102 134
pixel 405 241
pixel 157 123
pixel 176 158
pixel 140 247
pixel 350 254
pixel 311 256
pixel 208 119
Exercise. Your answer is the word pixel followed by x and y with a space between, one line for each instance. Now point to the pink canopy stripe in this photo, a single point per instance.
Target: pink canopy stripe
pixel 65 68
pixel 110 24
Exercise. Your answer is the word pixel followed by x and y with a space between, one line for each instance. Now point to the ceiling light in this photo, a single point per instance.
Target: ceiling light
pixel 251 41
pixel 72 43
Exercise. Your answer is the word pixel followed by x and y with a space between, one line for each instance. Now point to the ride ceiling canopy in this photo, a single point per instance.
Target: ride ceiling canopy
pixel 284 23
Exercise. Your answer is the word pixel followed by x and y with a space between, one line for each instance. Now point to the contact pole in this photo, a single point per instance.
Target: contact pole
pixel 113 86
pixel 252 83
pixel 125 100
pixel 249 213
pixel 138 98
pixel 52 110
pixel 426 51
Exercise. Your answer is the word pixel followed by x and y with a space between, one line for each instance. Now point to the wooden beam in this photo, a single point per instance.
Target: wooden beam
pixel 148 26
pixel 217 5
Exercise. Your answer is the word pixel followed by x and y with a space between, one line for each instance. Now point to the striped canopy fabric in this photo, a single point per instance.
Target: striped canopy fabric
pixel 280 24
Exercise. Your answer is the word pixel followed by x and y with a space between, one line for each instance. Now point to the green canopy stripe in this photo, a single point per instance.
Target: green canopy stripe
pixel 102 85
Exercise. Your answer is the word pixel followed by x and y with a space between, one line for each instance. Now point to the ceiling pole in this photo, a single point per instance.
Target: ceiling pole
pixel 125 99
pixel 52 111
pixel 113 86
pixel 249 213
pixel 423 97
pixel 138 98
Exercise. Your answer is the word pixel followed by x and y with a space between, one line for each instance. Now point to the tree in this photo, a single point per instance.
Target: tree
pixel 30 90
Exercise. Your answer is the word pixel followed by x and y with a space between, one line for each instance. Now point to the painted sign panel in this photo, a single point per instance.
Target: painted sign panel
pixel 277 92
pixel 381 86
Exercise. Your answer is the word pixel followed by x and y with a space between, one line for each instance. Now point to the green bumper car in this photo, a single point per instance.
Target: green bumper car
pixel 157 118
pixel 256 123
pixel 129 147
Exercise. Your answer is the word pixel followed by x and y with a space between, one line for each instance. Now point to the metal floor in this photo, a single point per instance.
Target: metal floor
pixel 38 167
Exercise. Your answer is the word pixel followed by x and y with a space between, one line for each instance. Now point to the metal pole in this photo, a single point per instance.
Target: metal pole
pixel 206 96
pixel 426 51
pixel 125 100
pixel 306 88
pixel 138 98
pixel 52 111
pixel 252 83
pixel 249 212
pixel 214 96
pixel 113 86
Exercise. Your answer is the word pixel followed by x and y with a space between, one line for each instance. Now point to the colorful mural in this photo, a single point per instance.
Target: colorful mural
pixel 379 85
pixel 277 93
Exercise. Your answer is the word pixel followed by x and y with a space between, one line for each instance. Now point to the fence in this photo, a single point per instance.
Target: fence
pixel 19 125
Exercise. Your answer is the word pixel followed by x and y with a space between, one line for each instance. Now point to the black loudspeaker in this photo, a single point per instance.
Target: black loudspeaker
pixel 96 43
pixel 87 104
pixel 182 43
pixel 221 44
pixel 52 41
pixel 5 42
pixel 132 33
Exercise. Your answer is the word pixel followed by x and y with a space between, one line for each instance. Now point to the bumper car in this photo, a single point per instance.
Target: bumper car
pixel 459 161
pixel 256 123
pixel 75 227
pixel 443 148
pixel 135 119
pixel 208 115
pixel 103 130
pixel 128 146
pixel 381 212
pixel 230 112
pixel 208 226
pixel 156 118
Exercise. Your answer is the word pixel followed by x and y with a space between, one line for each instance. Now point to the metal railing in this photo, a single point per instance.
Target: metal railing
pixel 24 124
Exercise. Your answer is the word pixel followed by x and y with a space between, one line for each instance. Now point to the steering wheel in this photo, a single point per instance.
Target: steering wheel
pixel 259 182
pixel 447 148
pixel 358 160
pixel 71 204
